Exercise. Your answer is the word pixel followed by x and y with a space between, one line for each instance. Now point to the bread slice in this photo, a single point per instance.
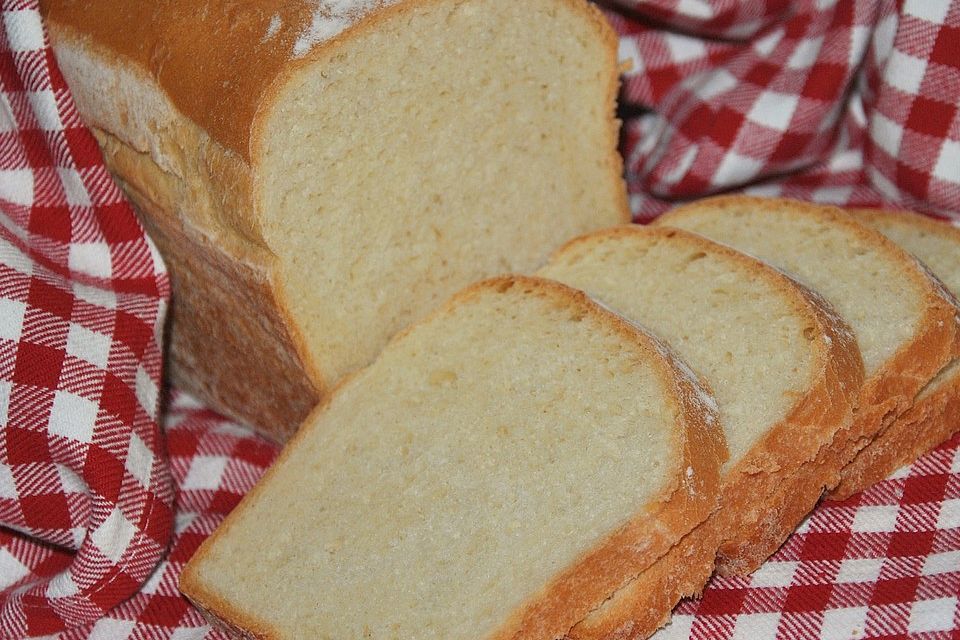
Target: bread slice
pixel 934 416
pixel 784 368
pixel 905 323
pixel 497 472
pixel 318 174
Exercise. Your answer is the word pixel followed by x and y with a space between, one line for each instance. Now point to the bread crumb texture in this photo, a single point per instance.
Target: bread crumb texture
pixel 482 453
pixel 450 143
pixel 745 335
pixel 866 282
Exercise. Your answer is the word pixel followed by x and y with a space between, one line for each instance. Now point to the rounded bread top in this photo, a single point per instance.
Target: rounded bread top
pixel 216 59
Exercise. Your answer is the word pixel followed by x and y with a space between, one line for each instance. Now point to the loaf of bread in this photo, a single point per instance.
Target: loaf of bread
pixel 320 173
pixel 933 417
pixel 905 322
pixel 500 470
pixel 785 370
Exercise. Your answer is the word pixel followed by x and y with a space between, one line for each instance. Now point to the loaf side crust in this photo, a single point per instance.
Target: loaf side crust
pixel 231 337
pixel 208 350
pixel 892 389
pixel 685 500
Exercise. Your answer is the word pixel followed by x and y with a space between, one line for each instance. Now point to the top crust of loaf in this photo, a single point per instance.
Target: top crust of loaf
pixel 194 51
pixel 686 499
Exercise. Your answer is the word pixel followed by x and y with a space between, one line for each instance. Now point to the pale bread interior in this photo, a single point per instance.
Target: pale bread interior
pixel 935 244
pixel 480 455
pixel 866 284
pixel 453 141
pixel 747 338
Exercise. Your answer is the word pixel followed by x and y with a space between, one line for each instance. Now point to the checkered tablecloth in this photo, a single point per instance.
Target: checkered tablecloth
pixel 108 484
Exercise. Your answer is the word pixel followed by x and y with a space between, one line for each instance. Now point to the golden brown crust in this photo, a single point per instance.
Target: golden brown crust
pixel 653 532
pixel 766 495
pixel 906 374
pixel 780 481
pixel 892 389
pixel 932 418
pixel 231 342
pixel 686 500
pixel 682 572
pixel 207 347
pixel 194 51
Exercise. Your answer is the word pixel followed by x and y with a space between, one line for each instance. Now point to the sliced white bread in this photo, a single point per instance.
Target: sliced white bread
pixel 785 370
pixel 319 174
pixel 501 469
pixel 905 323
pixel 935 415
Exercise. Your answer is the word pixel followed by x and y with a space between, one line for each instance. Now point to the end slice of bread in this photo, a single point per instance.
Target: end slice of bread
pixel 500 470
pixel 784 368
pixel 934 416
pixel 904 321
pixel 319 174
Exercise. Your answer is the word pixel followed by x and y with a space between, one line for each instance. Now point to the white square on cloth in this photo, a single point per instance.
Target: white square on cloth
pixel 84 344
pixel 949 516
pixel 948 163
pixel 73 416
pixel 774 574
pixel 113 536
pixel 886 133
pixel 110 629
pixel 859 570
pixel 24 29
pixel 843 624
pixel 750 626
pixel 16 186
pixel 773 109
pixel 932 615
pixel 905 72
pixel 11 569
pixel 205 472
pixel 875 519
pixel 930 10
pixel 11 318
pixel 91 258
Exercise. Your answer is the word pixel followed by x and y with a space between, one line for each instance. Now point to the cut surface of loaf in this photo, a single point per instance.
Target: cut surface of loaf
pixel 497 472
pixel 934 416
pixel 904 323
pixel 320 174
pixel 785 371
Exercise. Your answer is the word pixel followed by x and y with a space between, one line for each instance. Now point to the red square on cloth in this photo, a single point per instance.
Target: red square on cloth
pixel 38 365
pixel 931 117
pixel 46 511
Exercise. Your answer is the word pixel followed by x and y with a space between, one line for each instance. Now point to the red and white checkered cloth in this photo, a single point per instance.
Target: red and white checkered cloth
pixel 846 101
pixel 841 101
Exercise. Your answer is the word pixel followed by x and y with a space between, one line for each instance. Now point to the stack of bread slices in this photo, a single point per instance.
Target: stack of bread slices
pixel 568 454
